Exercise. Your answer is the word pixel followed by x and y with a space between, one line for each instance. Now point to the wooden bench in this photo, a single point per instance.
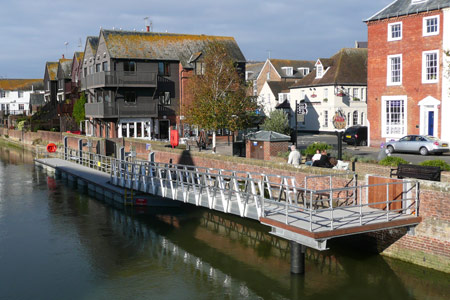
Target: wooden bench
pixel 416 171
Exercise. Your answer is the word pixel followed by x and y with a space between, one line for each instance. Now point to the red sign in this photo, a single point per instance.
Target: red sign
pixel 51 147
pixel 141 201
pixel 339 120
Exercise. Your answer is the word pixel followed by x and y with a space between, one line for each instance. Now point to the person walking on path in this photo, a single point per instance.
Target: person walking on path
pixel 294 157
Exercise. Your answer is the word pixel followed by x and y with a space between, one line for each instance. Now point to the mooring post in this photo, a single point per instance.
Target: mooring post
pixel 80 151
pixel 297 258
pixel 66 146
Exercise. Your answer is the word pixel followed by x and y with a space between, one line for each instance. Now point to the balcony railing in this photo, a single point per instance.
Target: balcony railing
pixel 121 109
pixel 16 112
pixel 119 79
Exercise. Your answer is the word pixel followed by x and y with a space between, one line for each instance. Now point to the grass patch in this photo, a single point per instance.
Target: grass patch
pixel 392 161
pixel 436 163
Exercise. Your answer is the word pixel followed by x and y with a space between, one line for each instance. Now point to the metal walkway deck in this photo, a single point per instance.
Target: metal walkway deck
pixel 294 210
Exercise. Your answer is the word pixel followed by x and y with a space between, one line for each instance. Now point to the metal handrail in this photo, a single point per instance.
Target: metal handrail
pixel 268 193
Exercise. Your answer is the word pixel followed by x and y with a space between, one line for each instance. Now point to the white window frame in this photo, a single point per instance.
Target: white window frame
pixel 389 69
pixel 319 71
pixel 304 71
pixel 325 93
pixel 424 66
pixel 325 118
pixel 289 71
pixel 390 38
pixel 425 27
pixel 403 126
pixel 356 93
pixel 355 118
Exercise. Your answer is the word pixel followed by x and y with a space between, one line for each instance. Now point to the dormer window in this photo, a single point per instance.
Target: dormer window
pixel 289 71
pixel 319 71
pixel 248 74
pixel 303 71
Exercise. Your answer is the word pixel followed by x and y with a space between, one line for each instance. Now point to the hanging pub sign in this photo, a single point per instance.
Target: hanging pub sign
pixel 339 120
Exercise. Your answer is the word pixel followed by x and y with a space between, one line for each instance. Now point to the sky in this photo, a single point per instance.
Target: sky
pixel 36 31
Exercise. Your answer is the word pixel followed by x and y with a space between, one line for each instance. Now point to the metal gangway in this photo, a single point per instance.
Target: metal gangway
pixel 308 211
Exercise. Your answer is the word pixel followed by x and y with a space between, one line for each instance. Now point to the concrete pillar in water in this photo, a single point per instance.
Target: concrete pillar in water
pixel 297 258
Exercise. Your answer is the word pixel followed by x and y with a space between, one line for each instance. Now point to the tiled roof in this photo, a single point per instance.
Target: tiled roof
pixel 406 7
pixel 295 64
pixel 78 56
pixel 268 136
pixel 92 41
pixel 52 69
pixel 66 67
pixel 20 84
pixel 348 66
pixel 255 68
pixel 279 86
pixel 164 46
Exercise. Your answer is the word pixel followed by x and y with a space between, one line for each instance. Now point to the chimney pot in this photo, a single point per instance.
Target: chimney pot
pixel 63 56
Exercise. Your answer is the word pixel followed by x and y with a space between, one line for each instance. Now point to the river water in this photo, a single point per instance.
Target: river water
pixel 57 242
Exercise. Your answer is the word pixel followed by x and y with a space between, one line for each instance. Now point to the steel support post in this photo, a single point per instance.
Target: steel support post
pixel 339 141
pixel 297 258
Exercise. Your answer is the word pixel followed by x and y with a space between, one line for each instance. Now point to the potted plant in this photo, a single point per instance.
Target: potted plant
pixel 356 99
pixel 325 99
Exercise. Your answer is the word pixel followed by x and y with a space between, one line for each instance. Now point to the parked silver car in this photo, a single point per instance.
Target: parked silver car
pixel 422 144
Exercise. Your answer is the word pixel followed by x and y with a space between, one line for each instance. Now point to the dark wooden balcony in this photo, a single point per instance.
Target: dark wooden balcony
pixel 121 109
pixel 119 79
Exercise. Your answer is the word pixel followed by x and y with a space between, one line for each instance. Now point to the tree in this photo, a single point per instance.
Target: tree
pixel 219 99
pixel 277 121
pixel 78 109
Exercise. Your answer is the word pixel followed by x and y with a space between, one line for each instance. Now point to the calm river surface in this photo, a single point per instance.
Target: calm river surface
pixel 60 243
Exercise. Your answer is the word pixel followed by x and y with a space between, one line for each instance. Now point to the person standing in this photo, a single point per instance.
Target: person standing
pixel 294 157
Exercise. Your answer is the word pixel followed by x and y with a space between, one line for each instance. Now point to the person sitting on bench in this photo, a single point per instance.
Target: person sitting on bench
pixel 314 158
pixel 323 162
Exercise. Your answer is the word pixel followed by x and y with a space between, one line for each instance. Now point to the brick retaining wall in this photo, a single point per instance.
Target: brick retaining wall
pixel 428 247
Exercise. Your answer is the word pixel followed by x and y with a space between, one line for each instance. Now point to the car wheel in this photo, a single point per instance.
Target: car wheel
pixel 423 151
pixel 390 149
pixel 363 143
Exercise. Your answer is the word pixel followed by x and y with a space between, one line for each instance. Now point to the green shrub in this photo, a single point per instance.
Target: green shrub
pixel 311 149
pixel 21 124
pixel 277 121
pixel 392 161
pixel 436 163
pixel 6 136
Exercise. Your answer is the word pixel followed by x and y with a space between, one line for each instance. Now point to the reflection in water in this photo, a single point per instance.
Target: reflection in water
pixel 52 236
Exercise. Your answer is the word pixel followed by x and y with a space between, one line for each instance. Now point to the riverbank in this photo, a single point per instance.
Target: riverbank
pixel 428 245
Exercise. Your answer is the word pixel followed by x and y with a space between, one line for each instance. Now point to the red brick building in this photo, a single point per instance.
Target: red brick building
pixel 408 92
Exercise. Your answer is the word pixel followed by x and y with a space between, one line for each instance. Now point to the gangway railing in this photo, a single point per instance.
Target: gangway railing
pixel 318 203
